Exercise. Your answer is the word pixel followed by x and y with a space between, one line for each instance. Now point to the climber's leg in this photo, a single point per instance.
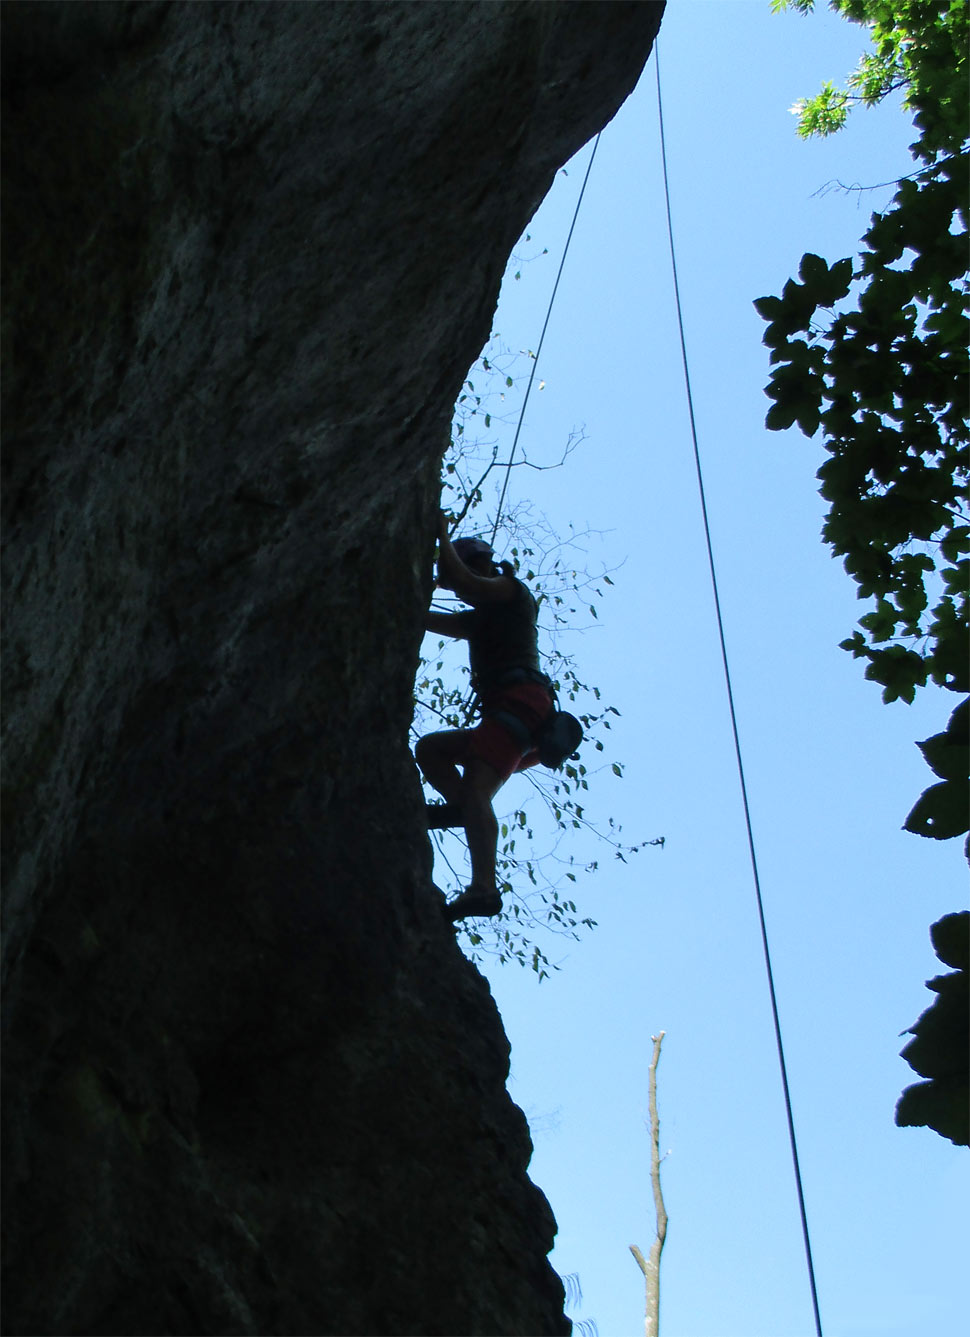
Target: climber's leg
pixel 439 756
pixel 481 781
pixel 470 794
pixel 443 816
pixel 481 897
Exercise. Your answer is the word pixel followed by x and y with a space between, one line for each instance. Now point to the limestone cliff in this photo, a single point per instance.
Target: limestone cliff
pixel 252 1086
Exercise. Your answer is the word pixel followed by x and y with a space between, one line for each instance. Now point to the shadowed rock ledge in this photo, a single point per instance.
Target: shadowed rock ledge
pixel 252 1086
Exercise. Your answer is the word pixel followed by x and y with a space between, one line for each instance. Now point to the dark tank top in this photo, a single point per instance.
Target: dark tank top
pixel 502 636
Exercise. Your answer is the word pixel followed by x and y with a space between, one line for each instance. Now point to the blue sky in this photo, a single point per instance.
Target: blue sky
pixel 831 771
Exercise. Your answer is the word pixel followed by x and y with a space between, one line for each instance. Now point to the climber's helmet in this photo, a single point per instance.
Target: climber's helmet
pixel 475 553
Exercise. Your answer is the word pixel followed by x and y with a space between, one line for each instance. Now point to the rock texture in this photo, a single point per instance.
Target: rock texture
pixel 252 1085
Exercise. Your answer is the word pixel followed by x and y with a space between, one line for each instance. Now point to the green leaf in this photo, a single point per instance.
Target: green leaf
pixel 941 811
pixel 813 269
pixel 840 280
pixel 808 417
pixel 940 1049
pixel 768 308
pixel 940 1105
pixel 780 417
pixel 945 758
pixel 950 937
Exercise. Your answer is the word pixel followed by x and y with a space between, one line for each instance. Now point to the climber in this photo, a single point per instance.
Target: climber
pixel 514 698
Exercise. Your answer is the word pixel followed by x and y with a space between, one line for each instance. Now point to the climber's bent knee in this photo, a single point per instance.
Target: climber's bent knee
pixel 450 745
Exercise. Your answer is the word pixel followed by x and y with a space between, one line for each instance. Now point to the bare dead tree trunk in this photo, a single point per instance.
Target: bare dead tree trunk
pixel 650 1267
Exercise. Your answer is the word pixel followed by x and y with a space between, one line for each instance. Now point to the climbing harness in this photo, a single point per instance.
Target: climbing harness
pixel 554 738
pixel 734 721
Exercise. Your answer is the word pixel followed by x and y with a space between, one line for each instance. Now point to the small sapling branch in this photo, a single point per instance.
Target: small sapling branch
pixel 650 1267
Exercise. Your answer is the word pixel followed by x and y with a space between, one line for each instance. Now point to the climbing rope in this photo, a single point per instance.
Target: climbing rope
pixel 720 634
pixel 734 720
pixel 720 626
pixel 545 326
pixel 468 704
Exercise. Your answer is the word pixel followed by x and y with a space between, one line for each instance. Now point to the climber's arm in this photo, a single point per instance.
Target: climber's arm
pixel 454 575
pixel 447 624
pixel 477 590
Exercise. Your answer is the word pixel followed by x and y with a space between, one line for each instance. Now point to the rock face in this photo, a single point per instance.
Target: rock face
pixel 252 1084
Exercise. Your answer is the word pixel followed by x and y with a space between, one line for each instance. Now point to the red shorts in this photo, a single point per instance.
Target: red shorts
pixel 494 743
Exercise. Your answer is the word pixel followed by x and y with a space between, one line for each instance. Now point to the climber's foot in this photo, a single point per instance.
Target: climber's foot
pixel 474 901
pixel 443 815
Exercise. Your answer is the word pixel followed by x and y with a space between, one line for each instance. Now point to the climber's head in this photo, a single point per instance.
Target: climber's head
pixel 477 555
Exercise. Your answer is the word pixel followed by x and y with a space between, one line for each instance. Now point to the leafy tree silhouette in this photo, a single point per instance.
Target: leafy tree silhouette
pixel 871 353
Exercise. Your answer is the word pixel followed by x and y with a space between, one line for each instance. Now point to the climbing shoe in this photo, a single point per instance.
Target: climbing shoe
pixel 442 815
pixel 474 902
